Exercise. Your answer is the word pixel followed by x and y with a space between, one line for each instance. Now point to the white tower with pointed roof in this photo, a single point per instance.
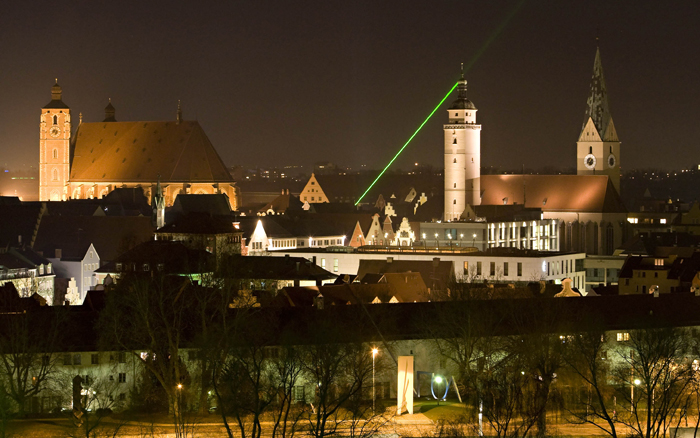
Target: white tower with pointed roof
pixel 54 148
pixel 462 156
pixel 598 147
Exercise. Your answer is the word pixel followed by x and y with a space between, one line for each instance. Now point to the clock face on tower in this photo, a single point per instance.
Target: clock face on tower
pixel 611 160
pixel 590 161
pixel 55 131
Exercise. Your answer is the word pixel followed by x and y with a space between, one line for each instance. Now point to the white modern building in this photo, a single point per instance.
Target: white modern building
pixel 507 264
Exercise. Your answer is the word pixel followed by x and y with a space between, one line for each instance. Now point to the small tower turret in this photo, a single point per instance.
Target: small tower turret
pixel 110 112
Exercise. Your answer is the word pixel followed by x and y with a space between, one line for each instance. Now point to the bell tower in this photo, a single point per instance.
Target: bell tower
pixel 54 148
pixel 462 156
pixel 598 147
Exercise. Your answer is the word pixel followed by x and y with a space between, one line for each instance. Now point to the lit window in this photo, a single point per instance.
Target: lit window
pixel 663 221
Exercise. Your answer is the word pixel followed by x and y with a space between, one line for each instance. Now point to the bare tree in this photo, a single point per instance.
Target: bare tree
pixel 160 314
pixel 29 342
pixel 586 356
pixel 656 368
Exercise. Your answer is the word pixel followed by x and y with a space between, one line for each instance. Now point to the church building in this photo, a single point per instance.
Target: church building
pixel 97 158
pixel 589 213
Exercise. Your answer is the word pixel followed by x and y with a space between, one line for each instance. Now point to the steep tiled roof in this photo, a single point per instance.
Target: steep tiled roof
pixel 575 193
pixel 143 151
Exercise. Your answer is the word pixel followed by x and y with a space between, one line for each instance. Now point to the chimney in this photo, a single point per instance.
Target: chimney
pixel 314 260
pixel 58 254
pixel 19 239
pixel 436 262
pixel 389 259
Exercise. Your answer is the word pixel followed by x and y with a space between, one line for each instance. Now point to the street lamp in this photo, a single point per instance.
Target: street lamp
pixel 474 239
pixel 374 397
pixel 449 237
pixel 436 241
pixel 425 244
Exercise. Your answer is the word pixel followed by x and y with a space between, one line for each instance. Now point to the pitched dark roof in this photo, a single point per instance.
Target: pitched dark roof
pixel 436 274
pixel 145 151
pixel 199 223
pixel 175 257
pixel 218 204
pixel 111 235
pixel 392 187
pixel 276 268
pixel 19 220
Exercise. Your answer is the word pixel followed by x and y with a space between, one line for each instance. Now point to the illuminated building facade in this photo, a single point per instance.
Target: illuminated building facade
pixel 100 157
pixel 462 156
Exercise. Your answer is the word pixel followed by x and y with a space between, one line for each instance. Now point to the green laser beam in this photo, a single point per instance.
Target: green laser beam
pixel 476 56
pixel 407 142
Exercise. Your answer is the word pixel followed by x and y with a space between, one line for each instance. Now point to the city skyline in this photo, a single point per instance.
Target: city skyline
pixel 349 83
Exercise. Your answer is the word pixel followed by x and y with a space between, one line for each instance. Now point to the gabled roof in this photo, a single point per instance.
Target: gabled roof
pixel 111 235
pixel 145 151
pixel 283 204
pixel 200 223
pixel 436 274
pixel 566 193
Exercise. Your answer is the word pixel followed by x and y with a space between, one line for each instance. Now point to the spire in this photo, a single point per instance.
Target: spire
pixel 597 107
pixel 179 113
pixel 462 102
pixel 109 112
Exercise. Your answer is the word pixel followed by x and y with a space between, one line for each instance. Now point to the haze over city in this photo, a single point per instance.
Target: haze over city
pixel 277 83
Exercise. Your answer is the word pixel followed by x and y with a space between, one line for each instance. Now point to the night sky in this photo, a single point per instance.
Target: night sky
pixel 278 83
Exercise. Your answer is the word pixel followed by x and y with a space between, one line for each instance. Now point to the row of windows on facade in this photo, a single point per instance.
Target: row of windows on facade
pixel 335 264
pixel 123 267
pixel 544 230
pixel 288 243
pixel 320 198
pixel 648 220
pixel 77 358
pixel 492 269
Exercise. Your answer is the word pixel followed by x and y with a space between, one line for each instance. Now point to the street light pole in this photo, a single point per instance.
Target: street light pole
pixel 374 396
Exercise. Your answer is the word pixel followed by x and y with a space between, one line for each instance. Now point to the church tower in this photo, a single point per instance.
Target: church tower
pixel 598 147
pixel 54 148
pixel 462 156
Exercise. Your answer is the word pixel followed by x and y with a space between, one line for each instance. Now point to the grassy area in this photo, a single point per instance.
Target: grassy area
pixel 445 410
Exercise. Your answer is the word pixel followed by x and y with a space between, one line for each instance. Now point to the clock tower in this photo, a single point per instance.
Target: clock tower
pixel 54 148
pixel 598 147
pixel 462 156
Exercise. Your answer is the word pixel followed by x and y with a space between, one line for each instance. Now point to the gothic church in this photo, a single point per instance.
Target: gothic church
pixel 100 157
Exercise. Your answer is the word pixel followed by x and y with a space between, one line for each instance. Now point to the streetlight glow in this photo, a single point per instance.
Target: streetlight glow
pixel 438 379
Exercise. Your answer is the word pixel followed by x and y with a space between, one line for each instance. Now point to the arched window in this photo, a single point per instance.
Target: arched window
pixel 590 149
pixel 454 161
pixel 55 120
pixel 54 175
pixel 455 185
pixel 55 153
pixel 454 201
pixel 454 141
